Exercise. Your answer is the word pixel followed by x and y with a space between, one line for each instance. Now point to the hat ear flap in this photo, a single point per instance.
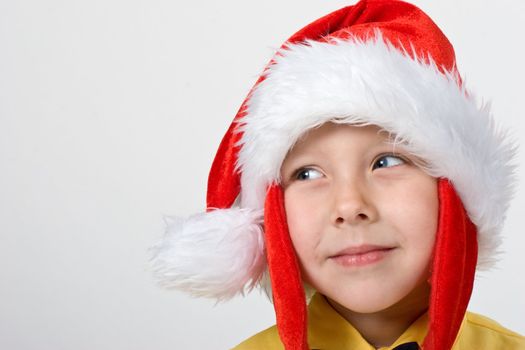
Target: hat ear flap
pixel 288 294
pixel 453 269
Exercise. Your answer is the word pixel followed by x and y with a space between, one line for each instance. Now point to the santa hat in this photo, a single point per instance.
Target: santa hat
pixel 381 62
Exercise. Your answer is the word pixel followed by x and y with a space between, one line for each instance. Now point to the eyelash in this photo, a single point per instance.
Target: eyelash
pixel 403 160
pixel 296 173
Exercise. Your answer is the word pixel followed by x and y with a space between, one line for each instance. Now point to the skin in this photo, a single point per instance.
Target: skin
pixel 347 186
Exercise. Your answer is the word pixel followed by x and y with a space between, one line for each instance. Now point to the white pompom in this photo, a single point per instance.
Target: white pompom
pixel 217 254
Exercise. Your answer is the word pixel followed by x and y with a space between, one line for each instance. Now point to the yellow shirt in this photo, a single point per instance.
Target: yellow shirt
pixel 327 330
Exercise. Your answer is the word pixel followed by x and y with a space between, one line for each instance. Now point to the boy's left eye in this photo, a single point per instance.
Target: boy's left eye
pixel 388 161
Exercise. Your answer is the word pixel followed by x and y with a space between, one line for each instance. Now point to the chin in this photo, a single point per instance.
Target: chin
pixel 367 302
pixel 365 306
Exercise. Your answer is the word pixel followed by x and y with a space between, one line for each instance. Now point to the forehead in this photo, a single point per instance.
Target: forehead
pixel 358 136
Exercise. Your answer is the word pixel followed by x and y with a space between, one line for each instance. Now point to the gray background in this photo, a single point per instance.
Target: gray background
pixel 110 114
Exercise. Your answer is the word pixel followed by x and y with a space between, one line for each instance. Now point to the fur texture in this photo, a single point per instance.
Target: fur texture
pixel 217 254
pixel 356 82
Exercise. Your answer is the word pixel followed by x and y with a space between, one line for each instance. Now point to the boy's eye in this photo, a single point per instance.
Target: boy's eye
pixel 307 174
pixel 388 161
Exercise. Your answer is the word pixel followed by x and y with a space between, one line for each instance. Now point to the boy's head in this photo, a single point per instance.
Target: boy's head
pixel 381 63
pixel 362 216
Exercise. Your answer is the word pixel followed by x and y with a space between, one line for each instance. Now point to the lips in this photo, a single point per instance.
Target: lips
pixel 361 255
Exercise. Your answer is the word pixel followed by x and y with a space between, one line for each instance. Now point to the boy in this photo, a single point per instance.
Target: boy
pixel 376 179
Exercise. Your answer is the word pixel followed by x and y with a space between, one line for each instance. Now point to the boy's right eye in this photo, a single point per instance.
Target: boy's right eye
pixel 307 174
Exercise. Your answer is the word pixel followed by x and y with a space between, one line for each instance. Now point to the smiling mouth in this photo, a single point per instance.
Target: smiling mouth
pixel 361 256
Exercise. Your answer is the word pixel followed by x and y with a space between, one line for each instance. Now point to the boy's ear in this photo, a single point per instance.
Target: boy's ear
pixel 453 269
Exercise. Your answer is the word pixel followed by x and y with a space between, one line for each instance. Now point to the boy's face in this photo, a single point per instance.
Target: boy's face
pixel 362 218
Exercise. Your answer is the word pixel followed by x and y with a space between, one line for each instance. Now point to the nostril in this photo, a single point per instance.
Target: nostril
pixel 360 217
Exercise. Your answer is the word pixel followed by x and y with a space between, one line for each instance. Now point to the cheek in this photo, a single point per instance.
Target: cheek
pixel 427 211
pixel 303 218
pixel 418 215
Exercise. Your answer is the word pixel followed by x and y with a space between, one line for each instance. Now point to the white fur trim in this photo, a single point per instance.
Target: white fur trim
pixel 217 254
pixel 373 83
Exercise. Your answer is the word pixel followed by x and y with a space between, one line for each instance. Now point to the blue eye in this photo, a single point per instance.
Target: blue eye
pixel 307 174
pixel 388 161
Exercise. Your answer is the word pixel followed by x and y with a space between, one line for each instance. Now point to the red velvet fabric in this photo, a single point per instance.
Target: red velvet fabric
pixel 401 23
pixel 224 183
pixel 287 289
pixel 453 269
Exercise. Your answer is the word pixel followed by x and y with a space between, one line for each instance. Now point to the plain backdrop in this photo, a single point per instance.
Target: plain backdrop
pixel 110 114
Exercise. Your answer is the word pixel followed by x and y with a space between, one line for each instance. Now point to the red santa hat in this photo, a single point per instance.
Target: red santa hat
pixel 381 62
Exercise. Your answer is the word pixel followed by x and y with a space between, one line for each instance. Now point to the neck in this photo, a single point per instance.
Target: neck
pixel 384 327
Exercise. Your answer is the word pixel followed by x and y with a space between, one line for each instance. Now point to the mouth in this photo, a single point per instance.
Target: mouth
pixel 361 255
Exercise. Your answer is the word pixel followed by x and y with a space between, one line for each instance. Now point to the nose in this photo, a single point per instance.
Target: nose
pixel 353 204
